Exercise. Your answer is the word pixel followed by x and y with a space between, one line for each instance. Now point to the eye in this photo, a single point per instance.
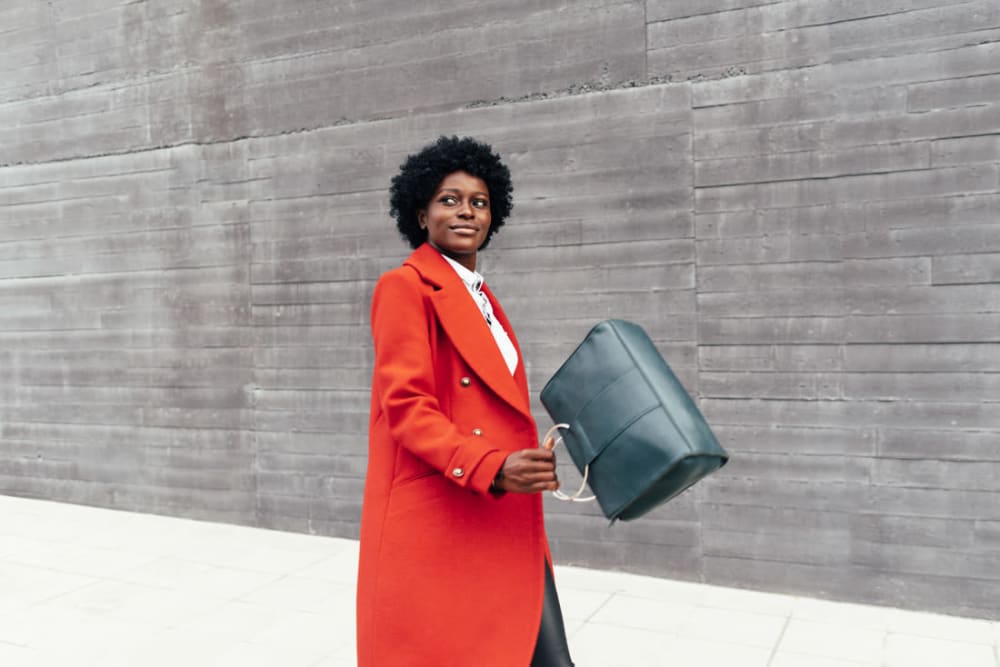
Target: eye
pixel 448 200
pixel 480 203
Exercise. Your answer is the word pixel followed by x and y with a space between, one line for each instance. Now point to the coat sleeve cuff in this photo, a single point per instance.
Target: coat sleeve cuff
pixel 487 469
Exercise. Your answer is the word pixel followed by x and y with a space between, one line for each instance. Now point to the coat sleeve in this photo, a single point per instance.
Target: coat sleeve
pixel 404 380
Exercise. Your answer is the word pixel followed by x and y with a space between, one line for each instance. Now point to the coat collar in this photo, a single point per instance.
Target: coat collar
pixel 467 329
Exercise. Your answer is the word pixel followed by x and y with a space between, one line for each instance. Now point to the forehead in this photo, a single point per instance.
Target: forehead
pixel 464 182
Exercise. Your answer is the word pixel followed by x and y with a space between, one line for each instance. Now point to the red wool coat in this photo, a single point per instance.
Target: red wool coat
pixel 449 574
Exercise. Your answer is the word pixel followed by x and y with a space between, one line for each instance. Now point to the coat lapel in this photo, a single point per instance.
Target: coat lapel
pixel 467 329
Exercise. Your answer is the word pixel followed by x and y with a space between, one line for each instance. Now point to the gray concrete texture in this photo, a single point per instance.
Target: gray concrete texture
pixel 798 200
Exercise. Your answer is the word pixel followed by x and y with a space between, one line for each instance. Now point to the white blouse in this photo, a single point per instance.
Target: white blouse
pixel 474 283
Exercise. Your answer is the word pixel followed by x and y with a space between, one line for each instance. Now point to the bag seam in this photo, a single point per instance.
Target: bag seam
pixel 628 349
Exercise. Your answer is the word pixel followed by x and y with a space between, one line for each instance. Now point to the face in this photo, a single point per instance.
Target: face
pixel 457 219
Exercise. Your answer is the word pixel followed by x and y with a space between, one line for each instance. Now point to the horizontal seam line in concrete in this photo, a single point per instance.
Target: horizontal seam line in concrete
pixel 300 197
pixel 695 83
pixel 832 177
pixel 577 90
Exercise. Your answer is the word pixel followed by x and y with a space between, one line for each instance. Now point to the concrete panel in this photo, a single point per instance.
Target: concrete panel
pixel 819 164
pixel 931 474
pixel 950 93
pixel 819 496
pixel 935 503
pixel 132 76
pixel 779 36
pixel 825 548
pixel 796 468
pixel 915 415
pixel 943 387
pixel 978 357
pixel 964 61
pixel 801 440
pixel 849 220
pixel 848 300
pixel 876 187
pixel 923 531
pixel 813 275
pixel 966 269
pixel 969 328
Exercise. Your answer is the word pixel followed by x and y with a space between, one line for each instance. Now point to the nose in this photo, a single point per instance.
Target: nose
pixel 465 210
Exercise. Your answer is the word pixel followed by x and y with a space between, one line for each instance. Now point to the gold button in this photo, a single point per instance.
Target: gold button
pixel 477 431
pixel 465 382
pixel 457 472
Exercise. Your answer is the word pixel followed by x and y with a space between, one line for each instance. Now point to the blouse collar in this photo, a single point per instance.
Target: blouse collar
pixel 472 279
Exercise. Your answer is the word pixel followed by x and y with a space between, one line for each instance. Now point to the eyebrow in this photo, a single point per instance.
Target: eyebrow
pixel 477 192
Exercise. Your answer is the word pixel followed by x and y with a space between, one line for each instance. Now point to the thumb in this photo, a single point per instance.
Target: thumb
pixel 549 443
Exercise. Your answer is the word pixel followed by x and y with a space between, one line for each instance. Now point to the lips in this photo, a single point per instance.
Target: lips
pixel 466 229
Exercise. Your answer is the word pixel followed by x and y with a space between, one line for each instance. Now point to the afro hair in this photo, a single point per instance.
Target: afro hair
pixel 421 174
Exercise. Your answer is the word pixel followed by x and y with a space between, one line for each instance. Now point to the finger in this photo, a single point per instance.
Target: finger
pixel 539 487
pixel 549 443
pixel 551 486
pixel 538 454
pixel 532 471
pixel 532 480
pixel 537 464
pixel 537 478
pixel 538 475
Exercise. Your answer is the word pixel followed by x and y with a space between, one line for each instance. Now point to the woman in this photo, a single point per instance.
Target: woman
pixel 454 568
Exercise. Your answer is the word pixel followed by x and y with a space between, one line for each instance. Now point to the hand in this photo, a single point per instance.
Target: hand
pixel 530 471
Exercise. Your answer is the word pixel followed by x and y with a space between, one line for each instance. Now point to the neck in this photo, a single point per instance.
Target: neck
pixel 468 261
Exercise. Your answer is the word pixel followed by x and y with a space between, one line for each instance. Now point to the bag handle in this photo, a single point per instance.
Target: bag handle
pixel 577 497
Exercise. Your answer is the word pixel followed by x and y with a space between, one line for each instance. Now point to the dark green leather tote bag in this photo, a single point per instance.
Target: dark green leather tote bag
pixel 628 424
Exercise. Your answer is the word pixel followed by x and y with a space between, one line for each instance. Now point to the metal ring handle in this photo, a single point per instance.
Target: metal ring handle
pixel 577 497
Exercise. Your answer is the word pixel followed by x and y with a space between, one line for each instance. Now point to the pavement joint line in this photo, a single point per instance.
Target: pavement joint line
pixel 777 642
pixel 69 592
pixel 589 618
pixel 242 596
pixel 319 560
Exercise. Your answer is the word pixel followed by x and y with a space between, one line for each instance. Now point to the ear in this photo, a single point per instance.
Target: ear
pixel 422 218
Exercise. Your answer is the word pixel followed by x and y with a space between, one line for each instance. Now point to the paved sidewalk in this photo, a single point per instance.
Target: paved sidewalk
pixel 81 586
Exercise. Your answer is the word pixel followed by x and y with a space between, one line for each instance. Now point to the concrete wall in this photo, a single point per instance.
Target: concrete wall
pixel 798 200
